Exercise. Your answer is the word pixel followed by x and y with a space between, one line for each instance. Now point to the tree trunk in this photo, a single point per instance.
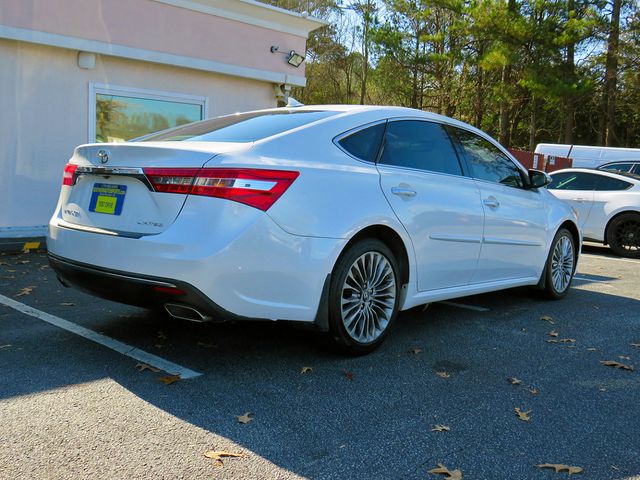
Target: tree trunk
pixel 570 101
pixel 533 126
pixel 504 103
pixel 366 18
pixel 611 73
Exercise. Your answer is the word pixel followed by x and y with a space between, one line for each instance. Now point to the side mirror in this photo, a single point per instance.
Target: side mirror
pixel 538 178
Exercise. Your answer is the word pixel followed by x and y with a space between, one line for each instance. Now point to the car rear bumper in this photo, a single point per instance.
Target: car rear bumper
pixel 139 290
pixel 228 257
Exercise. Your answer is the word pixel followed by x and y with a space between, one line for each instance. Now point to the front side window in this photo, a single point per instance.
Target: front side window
pixel 487 162
pixel 123 114
pixel 421 145
pixel 242 127
pixel 364 144
pixel 573 181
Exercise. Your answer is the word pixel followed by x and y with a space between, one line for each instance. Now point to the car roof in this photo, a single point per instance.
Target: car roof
pixel 385 111
pixel 635 179
pixel 617 162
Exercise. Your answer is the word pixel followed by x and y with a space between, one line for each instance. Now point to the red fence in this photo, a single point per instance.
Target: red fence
pixel 539 161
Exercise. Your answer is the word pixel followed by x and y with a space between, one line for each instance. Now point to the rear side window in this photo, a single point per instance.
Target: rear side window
pixel 241 127
pixel 611 184
pixel 617 167
pixel 573 181
pixel 421 145
pixel 364 144
pixel 487 162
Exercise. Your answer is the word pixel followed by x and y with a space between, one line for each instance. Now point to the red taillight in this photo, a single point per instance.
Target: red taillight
pixel 171 180
pixel 254 187
pixel 69 174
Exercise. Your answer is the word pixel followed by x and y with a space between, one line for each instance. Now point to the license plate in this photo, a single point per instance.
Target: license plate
pixel 107 198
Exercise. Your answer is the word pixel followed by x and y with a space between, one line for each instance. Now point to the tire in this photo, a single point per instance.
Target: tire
pixel 361 314
pixel 560 266
pixel 623 235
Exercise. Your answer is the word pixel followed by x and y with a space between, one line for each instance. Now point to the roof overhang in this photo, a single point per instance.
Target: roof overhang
pixel 254 13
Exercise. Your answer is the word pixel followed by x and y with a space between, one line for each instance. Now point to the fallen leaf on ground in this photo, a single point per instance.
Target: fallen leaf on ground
pixel 220 454
pixel 624 357
pixel 562 340
pixel 162 335
pixel 614 364
pixel 348 375
pixel 143 366
pixel 440 428
pixel 246 418
pixel 306 370
pixel 415 350
pixel 4 263
pixel 547 318
pixel 169 379
pixel 450 475
pixel 591 349
pixel 524 416
pixel 559 467
pixel 2 347
pixel 514 381
pixel 443 374
pixel 553 333
pixel 24 291
pixel 534 391
pixel 637 345
pixel 22 262
pixel 68 304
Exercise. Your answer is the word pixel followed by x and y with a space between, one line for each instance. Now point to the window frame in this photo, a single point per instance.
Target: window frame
pixel 123 91
pixel 336 140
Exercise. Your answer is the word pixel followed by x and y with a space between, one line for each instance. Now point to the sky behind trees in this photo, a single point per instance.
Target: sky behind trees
pixel 527 72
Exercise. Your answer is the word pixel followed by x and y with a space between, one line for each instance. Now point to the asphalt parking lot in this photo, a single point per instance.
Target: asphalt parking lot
pixel 74 408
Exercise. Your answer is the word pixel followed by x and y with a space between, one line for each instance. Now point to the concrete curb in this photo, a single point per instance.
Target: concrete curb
pixel 11 246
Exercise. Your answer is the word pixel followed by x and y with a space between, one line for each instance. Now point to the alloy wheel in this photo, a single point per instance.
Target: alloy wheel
pixel 562 264
pixel 368 297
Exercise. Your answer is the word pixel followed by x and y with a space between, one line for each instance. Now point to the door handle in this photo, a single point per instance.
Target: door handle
pixel 491 202
pixel 403 192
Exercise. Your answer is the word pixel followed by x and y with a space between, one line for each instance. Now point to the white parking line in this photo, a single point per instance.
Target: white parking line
pixel 587 279
pixel 123 348
pixel 600 257
pixel 466 307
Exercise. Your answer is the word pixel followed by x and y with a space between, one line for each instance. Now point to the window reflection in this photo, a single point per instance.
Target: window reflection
pixel 121 118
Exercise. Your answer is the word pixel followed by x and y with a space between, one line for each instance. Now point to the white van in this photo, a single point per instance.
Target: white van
pixel 589 157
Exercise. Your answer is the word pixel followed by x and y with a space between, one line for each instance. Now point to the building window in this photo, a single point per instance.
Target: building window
pixel 118 114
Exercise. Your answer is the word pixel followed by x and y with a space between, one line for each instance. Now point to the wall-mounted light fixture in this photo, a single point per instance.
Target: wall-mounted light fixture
pixel 293 58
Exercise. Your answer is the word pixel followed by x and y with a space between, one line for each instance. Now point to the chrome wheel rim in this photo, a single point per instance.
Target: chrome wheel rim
pixel 562 264
pixel 368 297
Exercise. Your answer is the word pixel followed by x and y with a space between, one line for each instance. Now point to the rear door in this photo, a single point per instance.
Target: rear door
pixel 423 180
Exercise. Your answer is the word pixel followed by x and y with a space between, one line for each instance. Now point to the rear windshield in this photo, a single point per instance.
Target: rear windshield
pixel 240 127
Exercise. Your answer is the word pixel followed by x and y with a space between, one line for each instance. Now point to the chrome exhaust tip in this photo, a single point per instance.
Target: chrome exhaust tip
pixel 184 312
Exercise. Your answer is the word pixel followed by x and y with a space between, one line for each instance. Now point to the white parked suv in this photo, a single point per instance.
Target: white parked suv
pixel 608 206
pixel 338 216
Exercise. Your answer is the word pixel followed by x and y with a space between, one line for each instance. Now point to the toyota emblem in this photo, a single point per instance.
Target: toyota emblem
pixel 103 156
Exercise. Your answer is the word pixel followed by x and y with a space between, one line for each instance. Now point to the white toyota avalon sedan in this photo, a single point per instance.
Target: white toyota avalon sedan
pixel 608 206
pixel 337 216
